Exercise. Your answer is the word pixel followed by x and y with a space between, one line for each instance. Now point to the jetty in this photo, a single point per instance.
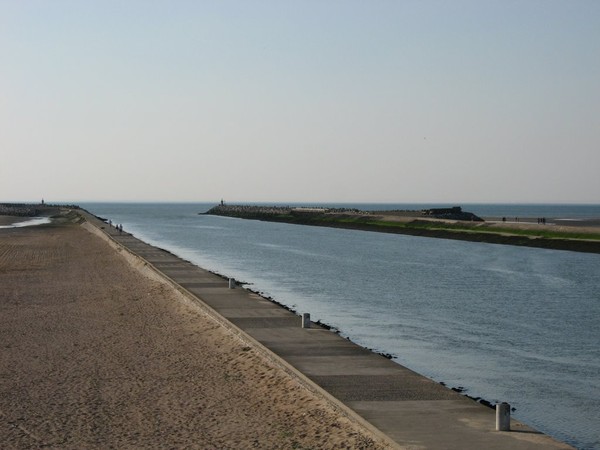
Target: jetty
pixel 443 223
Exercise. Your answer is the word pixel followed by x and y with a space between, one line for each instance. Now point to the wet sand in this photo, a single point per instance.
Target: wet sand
pixel 95 355
pixel 9 220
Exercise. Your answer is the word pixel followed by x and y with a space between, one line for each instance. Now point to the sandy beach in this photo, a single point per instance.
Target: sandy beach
pixel 95 355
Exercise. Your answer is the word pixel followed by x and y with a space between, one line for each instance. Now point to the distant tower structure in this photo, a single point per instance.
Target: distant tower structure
pixel 222 202
pixel 42 201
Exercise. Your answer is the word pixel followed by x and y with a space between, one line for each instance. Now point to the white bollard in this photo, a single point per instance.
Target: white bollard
pixel 231 283
pixel 306 320
pixel 503 417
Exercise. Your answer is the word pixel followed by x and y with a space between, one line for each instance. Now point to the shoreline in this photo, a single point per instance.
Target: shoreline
pixel 20 222
pixel 458 389
pixel 191 286
pixel 379 412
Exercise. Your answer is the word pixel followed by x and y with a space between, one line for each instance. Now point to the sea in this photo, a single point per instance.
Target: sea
pixel 503 323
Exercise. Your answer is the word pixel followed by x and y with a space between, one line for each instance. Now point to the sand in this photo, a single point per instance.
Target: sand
pixel 94 355
pixel 9 220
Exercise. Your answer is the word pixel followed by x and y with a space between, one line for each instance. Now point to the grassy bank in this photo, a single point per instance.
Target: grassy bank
pixel 541 237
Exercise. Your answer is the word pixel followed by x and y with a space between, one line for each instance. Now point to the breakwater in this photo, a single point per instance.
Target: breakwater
pixel 19 210
pixel 32 210
pixel 461 226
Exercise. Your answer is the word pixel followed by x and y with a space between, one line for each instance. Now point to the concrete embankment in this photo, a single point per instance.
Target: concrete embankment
pixel 395 403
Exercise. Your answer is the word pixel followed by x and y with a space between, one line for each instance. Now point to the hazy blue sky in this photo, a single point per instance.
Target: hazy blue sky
pixel 324 100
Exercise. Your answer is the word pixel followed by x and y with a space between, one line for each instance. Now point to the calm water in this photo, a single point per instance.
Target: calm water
pixel 506 323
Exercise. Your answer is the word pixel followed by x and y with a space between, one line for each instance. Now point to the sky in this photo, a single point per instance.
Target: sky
pixel 397 101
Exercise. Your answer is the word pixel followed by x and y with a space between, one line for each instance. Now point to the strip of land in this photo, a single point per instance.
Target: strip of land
pixel 528 232
pixel 96 355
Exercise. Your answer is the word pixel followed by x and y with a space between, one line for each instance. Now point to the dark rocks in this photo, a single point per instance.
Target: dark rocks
pixel 18 210
pixel 454 213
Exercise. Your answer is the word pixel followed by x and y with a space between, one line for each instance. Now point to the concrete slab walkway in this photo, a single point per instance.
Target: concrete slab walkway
pixel 411 410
